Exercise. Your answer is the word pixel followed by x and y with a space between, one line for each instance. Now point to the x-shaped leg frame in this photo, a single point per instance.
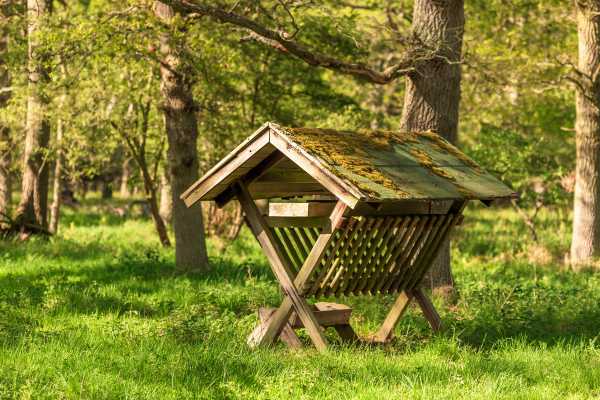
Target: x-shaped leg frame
pixel 386 331
pixel 292 286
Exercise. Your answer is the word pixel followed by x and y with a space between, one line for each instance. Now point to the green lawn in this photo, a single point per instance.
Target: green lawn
pixel 99 312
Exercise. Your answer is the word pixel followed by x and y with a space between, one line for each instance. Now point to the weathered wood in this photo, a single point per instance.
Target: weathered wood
pixel 314 209
pixel 308 222
pixel 385 332
pixel 253 174
pixel 220 174
pixel 428 309
pixel 287 336
pixel 283 273
pixel 346 333
pixel 282 315
pixel 364 268
pixel 344 191
pixel 328 314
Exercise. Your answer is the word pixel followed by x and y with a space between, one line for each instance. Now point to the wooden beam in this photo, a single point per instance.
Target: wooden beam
pixel 283 314
pixel 344 191
pixel 255 173
pixel 304 209
pixel 284 275
pixel 386 331
pixel 429 311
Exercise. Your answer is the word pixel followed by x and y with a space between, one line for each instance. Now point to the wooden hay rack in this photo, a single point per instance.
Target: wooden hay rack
pixel 345 213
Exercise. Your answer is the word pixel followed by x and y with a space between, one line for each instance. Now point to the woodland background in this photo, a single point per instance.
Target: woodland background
pixel 109 110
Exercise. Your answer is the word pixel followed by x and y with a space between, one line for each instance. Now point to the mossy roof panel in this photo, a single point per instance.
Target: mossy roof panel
pixel 387 165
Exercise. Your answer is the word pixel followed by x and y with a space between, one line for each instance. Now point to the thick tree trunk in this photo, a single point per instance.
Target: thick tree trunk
pixel 433 92
pixel 182 133
pixel 166 199
pixel 585 245
pixel 5 140
pixel 57 184
pixel 33 206
pixel 124 191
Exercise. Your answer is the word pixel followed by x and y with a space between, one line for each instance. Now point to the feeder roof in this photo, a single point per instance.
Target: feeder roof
pixel 355 166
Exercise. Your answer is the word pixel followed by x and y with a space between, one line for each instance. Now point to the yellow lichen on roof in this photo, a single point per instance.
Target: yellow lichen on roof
pixel 351 153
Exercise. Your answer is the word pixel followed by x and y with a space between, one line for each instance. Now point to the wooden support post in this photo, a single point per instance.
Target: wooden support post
pixel 429 311
pixel 385 332
pixel 287 336
pixel 281 269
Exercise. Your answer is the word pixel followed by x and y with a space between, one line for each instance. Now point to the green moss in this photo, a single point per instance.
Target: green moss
pixel 353 151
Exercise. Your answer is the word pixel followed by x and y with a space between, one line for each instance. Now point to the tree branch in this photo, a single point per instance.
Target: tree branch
pixel 409 62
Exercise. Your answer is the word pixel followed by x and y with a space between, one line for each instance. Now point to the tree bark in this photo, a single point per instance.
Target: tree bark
pixel 5 139
pixel 432 94
pixel 125 175
pixel 182 133
pixel 57 184
pixel 32 209
pixel 585 245
pixel 166 199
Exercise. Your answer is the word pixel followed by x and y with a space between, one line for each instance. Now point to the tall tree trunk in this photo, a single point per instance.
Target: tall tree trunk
pixel 182 133
pixel 433 93
pixel 57 184
pixel 166 199
pixel 125 175
pixel 585 243
pixel 33 206
pixel 5 140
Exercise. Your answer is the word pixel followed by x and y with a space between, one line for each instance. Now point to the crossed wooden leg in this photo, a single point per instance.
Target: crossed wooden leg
pixel 386 331
pixel 292 287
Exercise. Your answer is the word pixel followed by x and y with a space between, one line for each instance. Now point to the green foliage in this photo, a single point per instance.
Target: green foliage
pixel 100 312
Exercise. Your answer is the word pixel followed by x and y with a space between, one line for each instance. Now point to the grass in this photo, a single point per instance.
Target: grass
pixel 100 312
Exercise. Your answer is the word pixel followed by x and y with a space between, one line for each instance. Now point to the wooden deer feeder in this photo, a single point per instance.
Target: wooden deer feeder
pixel 342 213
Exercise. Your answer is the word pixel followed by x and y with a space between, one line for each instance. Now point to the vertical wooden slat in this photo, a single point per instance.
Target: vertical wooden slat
pixel 351 255
pixel 391 266
pixel 376 248
pixel 399 229
pixel 338 241
pixel 285 252
pixel 291 251
pixel 306 241
pixel 408 267
pixel 337 266
pixel 364 267
pixel 302 252
pixel 435 248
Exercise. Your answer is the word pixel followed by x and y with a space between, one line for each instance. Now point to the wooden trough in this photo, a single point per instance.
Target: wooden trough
pixel 345 213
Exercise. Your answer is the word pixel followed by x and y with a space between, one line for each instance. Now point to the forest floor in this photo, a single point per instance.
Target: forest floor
pixel 100 312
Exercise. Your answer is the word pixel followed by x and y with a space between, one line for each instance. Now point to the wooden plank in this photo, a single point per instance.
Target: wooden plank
pixel 386 331
pixel 305 209
pixel 291 251
pixel 264 130
pixel 402 207
pixel 340 266
pixel 284 275
pixel 253 174
pixel 328 314
pixel 302 250
pixel 304 222
pixel 287 174
pixel 287 336
pixel 402 261
pixel 283 313
pixel 428 247
pixel 429 311
pixel 285 252
pixel 364 268
pixel 215 176
pixel 376 249
pixel 390 265
pixel 327 261
pixel 398 230
pixel 357 262
pixel 435 249
pixel 342 190
pixel 264 190
pixel 407 267
pixel 346 333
